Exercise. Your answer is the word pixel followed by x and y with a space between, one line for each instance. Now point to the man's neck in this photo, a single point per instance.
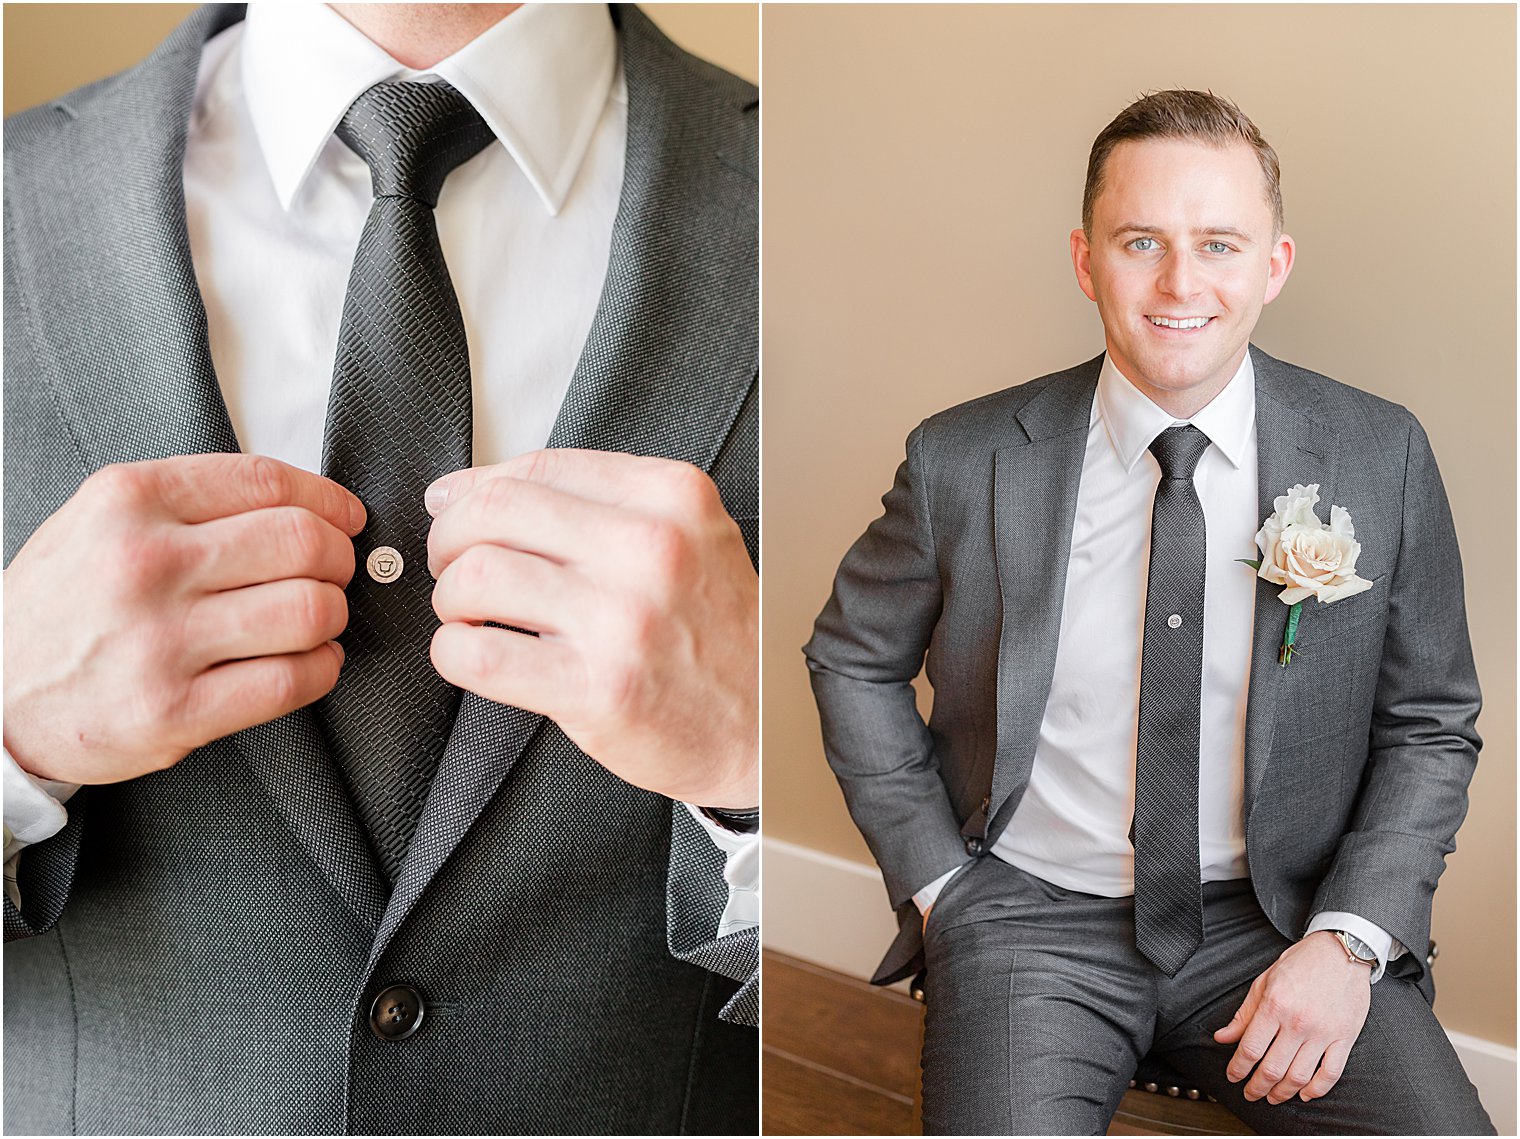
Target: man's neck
pixel 1189 402
pixel 420 35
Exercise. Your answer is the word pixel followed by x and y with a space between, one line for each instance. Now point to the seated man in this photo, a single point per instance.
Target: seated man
pixel 1139 820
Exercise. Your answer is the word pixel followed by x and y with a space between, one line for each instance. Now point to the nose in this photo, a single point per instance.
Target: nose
pixel 1179 277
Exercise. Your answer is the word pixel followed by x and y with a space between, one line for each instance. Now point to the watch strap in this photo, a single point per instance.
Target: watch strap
pixel 739 822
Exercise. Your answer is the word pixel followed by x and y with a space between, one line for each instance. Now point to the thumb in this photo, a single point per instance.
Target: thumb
pixel 452 487
pixel 1233 1031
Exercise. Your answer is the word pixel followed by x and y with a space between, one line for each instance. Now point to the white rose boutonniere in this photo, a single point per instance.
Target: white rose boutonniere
pixel 1307 557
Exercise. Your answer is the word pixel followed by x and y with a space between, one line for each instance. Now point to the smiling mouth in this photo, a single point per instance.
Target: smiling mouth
pixel 1180 322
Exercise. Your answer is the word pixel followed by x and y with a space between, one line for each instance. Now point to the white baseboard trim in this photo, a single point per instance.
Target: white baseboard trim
pixel 1491 1068
pixel 823 909
pixel 833 912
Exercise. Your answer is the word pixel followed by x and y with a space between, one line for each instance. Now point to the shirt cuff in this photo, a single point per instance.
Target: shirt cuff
pixel 33 811
pixel 1379 940
pixel 741 870
pixel 926 897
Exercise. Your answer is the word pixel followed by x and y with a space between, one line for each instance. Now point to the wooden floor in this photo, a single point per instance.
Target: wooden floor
pixel 841 1058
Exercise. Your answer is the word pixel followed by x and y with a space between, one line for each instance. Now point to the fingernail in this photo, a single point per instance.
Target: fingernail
pixel 436 497
pixel 357 516
pixel 337 648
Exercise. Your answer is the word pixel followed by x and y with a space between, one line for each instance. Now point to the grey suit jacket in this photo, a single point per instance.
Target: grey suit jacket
pixel 199 948
pixel 1357 755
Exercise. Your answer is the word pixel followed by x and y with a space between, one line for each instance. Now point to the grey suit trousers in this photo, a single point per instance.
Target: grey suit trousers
pixel 1040 1007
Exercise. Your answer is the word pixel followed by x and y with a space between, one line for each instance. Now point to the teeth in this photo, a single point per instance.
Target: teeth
pixel 1186 322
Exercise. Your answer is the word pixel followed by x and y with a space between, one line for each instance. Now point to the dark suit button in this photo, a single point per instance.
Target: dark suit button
pixel 396 1013
pixel 974 847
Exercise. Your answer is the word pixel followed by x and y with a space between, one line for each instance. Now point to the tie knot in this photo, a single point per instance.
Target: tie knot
pixel 1178 450
pixel 412 135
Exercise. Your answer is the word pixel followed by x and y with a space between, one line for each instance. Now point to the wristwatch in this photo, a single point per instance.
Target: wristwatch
pixel 1358 952
pixel 739 822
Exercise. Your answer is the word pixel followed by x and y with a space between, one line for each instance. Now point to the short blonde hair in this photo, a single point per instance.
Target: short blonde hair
pixel 1199 115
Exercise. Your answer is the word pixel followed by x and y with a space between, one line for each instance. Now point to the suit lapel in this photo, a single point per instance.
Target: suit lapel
pixel 127 349
pixel 684 249
pixel 119 315
pixel 686 214
pixel 1035 493
pixel 1292 447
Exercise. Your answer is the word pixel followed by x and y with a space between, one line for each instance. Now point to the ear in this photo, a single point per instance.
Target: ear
pixel 1279 267
pixel 1081 261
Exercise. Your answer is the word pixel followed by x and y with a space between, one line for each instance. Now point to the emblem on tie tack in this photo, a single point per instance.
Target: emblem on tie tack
pixel 384 564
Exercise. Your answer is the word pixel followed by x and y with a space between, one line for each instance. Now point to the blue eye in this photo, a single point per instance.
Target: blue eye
pixel 1217 247
pixel 1143 244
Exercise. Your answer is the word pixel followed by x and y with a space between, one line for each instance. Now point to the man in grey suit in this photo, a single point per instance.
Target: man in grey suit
pixel 1165 803
pixel 227 936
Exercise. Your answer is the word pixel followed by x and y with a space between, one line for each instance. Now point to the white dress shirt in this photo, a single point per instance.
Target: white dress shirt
pixel 1072 825
pixel 275 205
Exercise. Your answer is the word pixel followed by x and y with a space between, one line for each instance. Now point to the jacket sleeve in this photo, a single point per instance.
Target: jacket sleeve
pixel 867 646
pixel 1423 744
pixel 45 875
pixel 695 895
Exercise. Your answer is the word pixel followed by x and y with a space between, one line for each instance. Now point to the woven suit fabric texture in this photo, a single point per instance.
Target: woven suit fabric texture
pixel 198 950
pixel 399 416
pixel 1168 897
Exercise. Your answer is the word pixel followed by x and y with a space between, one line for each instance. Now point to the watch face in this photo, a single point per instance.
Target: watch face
pixel 1360 947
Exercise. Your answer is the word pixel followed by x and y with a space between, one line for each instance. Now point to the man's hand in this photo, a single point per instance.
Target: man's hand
pixel 1299 1019
pixel 644 600
pixel 170 603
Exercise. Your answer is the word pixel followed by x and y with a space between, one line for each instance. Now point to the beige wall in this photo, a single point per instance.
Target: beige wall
pixel 726 34
pixel 923 168
pixel 52 48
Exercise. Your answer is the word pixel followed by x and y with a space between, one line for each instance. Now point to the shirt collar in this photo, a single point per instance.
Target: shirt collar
pixel 540 78
pixel 1133 421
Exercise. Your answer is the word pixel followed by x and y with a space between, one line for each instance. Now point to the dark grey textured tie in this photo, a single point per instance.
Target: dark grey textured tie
pixel 398 418
pixel 1168 897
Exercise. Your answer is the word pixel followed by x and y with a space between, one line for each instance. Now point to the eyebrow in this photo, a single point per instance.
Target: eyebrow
pixel 1205 231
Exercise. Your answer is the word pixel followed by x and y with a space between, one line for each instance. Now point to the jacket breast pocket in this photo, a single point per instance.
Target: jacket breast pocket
pixel 1319 622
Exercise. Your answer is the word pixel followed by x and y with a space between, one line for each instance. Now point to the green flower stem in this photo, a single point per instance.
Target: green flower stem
pixel 1290 634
